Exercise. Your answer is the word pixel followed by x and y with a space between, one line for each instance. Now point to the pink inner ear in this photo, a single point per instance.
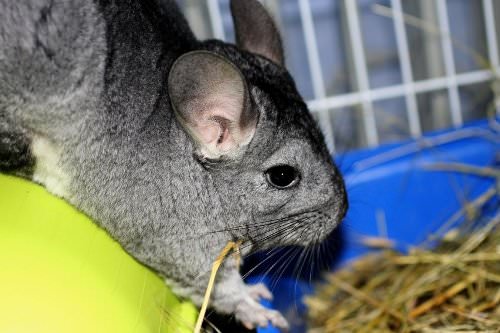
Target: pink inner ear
pixel 208 131
pixel 224 136
pixel 211 102
pixel 217 135
pixel 217 124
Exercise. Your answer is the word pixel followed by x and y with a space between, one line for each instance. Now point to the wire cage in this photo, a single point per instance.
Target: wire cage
pixel 397 86
pixel 380 70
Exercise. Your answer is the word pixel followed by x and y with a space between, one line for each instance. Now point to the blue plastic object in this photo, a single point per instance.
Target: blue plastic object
pixel 393 184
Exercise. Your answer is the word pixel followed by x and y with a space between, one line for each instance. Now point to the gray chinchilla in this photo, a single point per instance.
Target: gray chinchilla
pixel 175 146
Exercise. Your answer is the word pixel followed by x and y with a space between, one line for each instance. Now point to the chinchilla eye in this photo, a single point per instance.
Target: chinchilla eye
pixel 282 176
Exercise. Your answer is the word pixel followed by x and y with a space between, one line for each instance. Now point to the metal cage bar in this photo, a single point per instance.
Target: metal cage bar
pixel 449 63
pixel 361 71
pixel 406 71
pixel 400 90
pixel 216 19
pixel 491 35
pixel 492 43
pixel 364 96
pixel 315 69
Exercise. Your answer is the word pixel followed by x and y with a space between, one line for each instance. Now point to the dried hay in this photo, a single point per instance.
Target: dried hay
pixel 453 288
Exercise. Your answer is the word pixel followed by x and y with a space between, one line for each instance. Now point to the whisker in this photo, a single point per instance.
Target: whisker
pixel 324 261
pixel 261 239
pixel 276 263
pixel 309 256
pixel 250 228
pixel 262 262
pixel 282 269
pixel 316 260
pixel 277 273
pixel 305 256
pixel 212 325
pixel 259 224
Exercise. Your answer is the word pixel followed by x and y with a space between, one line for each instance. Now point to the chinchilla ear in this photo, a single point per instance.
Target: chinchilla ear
pixel 255 30
pixel 211 101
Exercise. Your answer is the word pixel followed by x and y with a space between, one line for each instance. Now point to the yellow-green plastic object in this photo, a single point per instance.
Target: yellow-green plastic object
pixel 60 273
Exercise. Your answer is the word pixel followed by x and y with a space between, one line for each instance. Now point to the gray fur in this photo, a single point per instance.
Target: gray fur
pixel 90 78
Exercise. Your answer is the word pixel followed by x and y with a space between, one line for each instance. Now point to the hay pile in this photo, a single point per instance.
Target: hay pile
pixel 454 288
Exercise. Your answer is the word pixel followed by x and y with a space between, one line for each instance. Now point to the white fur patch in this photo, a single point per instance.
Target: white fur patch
pixel 47 169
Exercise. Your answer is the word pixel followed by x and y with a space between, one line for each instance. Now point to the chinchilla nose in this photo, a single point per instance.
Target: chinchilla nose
pixel 343 204
pixel 340 198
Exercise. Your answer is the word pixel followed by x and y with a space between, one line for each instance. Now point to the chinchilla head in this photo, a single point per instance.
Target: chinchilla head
pixel 255 136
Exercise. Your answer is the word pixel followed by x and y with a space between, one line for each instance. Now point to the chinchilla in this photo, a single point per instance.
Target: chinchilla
pixel 175 146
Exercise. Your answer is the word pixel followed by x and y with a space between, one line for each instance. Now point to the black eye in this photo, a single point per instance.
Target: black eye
pixel 282 176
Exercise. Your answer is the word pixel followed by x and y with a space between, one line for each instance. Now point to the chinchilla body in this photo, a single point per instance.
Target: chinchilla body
pixel 175 146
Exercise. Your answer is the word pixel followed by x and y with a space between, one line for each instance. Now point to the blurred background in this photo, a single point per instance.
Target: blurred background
pixel 407 95
pixel 380 71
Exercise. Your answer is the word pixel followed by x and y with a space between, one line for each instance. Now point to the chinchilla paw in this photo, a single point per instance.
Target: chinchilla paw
pixel 251 314
pixel 259 291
